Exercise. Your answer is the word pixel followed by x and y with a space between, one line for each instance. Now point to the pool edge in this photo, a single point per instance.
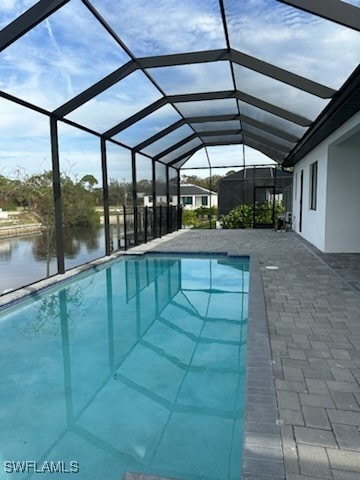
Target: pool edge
pixel 30 291
pixel 262 454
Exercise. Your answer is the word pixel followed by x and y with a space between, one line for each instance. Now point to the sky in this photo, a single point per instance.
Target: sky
pixel 70 51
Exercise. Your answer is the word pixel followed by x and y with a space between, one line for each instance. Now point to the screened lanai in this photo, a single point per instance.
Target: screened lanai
pixel 118 97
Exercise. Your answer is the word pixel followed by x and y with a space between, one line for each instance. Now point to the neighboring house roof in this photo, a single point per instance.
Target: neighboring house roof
pixel 189 189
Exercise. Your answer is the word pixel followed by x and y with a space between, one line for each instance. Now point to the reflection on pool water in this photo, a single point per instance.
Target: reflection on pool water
pixel 139 367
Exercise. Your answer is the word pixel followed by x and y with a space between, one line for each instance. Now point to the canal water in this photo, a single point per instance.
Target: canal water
pixel 30 258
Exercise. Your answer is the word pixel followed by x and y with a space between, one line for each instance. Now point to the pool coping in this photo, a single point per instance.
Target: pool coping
pixel 262 453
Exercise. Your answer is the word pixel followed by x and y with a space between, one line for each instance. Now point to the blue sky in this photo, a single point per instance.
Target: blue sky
pixel 70 51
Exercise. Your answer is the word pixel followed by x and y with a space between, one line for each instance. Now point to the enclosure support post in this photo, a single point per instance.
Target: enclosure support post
pixel 134 195
pixel 160 219
pixel 118 235
pixel 273 200
pixel 210 198
pixel 179 217
pixel 167 201
pixel 125 227
pixel 243 184
pixel 210 185
pixel 179 211
pixel 254 197
pixel 105 196
pixel 59 232
pixel 145 224
pixel 154 199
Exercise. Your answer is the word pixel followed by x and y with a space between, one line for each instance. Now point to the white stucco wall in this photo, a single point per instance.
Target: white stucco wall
pixel 313 221
pixel 343 206
pixel 197 203
pixel 335 224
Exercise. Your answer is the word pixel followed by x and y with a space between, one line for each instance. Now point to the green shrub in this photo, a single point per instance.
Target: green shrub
pixel 205 211
pixel 189 218
pixel 242 216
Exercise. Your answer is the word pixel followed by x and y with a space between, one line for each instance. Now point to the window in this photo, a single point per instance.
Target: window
pixel 187 200
pixel 204 201
pixel 313 185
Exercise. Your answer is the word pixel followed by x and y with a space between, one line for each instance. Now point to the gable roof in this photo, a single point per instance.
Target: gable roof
pixel 189 189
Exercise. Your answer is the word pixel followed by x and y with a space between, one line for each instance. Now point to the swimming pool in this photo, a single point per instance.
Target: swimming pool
pixel 139 366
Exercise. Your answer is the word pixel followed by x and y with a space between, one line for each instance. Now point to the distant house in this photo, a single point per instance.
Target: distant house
pixel 191 198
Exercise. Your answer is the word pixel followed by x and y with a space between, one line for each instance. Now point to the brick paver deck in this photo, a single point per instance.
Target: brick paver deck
pixel 313 309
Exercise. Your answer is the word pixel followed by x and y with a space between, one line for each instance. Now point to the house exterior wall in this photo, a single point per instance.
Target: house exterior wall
pixel 335 224
pixel 313 221
pixel 161 199
pixel 343 209
pixel 197 201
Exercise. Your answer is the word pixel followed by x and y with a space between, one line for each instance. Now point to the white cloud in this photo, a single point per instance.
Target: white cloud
pixel 171 27
pixel 7 5
pixel 59 58
pixel 300 42
pixel 206 77
pixel 11 9
pixel 116 104
pixel 278 93
pixel 230 157
pixel 149 126
pixel 54 43
pixel 17 121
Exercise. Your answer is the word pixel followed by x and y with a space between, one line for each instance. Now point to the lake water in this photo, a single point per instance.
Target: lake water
pixel 23 259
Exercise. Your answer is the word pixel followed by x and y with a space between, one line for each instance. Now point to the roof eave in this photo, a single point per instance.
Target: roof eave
pixel 344 105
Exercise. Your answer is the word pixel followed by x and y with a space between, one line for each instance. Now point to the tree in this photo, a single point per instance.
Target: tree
pixel 8 190
pixel 144 186
pixel 78 204
pixel 119 192
pixel 210 183
pixel 89 181
pixel 35 194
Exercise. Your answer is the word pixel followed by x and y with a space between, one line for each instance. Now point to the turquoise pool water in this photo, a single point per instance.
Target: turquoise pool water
pixel 139 366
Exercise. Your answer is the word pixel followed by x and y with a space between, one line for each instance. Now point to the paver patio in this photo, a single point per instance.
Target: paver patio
pixel 313 310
